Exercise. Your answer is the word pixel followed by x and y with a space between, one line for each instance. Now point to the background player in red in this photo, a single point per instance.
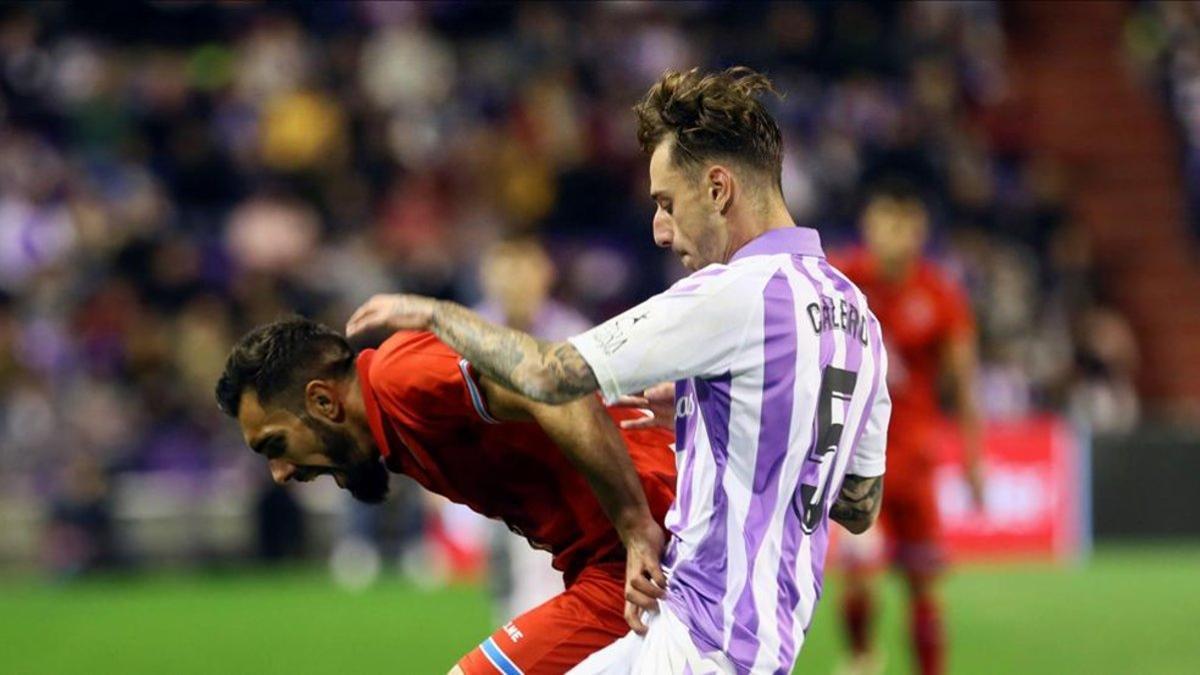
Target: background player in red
pixel 414 406
pixel 930 339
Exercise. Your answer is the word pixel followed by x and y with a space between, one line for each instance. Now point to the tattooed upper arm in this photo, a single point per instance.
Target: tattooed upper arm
pixel 569 375
pixel 858 502
pixel 548 372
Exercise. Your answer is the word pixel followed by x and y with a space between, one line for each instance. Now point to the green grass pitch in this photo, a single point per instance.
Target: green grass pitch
pixel 1130 610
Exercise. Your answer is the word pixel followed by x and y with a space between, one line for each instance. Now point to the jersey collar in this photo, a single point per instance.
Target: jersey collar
pixel 794 240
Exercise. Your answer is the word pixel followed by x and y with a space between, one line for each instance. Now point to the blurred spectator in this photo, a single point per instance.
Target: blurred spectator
pixel 177 174
pixel 80 537
pixel 517 276
pixel 1105 363
pixel 1163 40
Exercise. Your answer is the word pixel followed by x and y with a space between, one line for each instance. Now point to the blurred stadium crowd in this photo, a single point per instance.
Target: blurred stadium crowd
pixel 172 174
pixel 1163 41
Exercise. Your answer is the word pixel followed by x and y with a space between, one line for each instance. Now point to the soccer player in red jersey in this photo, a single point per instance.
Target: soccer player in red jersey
pixel 930 337
pixel 563 476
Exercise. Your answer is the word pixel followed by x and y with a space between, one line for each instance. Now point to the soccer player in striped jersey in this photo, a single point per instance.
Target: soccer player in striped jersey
pixel 780 401
pixel 564 477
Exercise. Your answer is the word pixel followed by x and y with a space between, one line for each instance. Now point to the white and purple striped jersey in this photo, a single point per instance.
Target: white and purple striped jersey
pixel 780 392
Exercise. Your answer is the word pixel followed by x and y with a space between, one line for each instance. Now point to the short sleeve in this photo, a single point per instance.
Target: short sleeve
pixel 870 454
pixel 419 378
pixel 691 330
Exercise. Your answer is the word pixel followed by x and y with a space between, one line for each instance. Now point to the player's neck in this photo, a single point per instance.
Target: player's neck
pixel 356 414
pixel 746 226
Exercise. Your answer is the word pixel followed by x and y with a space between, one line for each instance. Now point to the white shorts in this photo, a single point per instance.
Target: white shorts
pixel 666 649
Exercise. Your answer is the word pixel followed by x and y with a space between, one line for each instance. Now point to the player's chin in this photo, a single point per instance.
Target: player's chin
pixel 367 482
pixel 689 262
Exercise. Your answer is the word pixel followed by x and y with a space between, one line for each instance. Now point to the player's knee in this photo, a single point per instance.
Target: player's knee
pixel 455 671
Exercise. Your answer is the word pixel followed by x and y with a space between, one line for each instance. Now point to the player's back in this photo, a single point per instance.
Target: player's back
pixel 429 409
pixel 768 432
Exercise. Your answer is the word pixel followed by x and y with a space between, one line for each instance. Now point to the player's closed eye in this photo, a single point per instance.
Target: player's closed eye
pixel 273 447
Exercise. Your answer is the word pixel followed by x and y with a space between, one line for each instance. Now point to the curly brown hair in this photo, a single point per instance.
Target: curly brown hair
pixel 712 115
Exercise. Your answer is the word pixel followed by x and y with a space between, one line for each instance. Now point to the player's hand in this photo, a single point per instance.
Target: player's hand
pixel 645 582
pixel 975 483
pixel 390 313
pixel 659 400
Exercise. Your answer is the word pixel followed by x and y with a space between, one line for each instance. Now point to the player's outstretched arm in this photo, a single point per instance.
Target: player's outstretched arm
pixel 587 435
pixel 548 372
pixel 961 362
pixel 858 503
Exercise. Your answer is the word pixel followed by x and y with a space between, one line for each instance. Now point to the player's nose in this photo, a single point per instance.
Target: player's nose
pixel 281 471
pixel 664 234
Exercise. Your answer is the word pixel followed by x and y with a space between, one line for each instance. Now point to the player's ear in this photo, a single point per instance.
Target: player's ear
pixel 719 184
pixel 321 399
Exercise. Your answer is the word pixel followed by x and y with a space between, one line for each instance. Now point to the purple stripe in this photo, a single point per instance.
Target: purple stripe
pixel 685 432
pixel 700 582
pixel 854 348
pixel 775 422
pixel 711 271
pixel 695 280
pixel 820 537
pixel 854 358
pixel 876 346
pixel 789 595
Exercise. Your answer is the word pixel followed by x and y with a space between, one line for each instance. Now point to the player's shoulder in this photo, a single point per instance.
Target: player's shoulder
pixel 409 355
pixel 414 344
pixel 726 279
pixel 933 276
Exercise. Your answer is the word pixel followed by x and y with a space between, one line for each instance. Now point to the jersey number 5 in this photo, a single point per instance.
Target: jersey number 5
pixel 837 386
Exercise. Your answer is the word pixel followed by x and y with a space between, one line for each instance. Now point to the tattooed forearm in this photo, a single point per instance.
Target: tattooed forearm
pixel 858 503
pixel 549 372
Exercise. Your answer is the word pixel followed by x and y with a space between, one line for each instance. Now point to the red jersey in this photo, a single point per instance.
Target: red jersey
pixel 430 420
pixel 919 316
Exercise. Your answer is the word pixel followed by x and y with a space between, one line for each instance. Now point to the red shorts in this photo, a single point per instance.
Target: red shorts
pixel 909 519
pixel 559 633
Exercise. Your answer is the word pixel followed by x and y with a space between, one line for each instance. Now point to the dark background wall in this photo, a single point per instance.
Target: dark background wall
pixel 1146 484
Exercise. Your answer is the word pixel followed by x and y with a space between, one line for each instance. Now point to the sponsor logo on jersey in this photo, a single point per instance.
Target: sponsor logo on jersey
pixel 513 632
pixel 685 406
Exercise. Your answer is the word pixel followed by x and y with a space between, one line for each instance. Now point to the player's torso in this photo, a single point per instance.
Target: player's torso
pixel 760 449
pixel 513 472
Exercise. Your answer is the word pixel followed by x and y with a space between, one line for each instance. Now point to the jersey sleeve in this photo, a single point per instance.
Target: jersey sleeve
pixel 870 454
pixel 691 330
pixel 418 377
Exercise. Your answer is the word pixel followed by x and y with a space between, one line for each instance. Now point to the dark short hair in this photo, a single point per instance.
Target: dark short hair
pixel 275 359
pixel 712 115
pixel 898 187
